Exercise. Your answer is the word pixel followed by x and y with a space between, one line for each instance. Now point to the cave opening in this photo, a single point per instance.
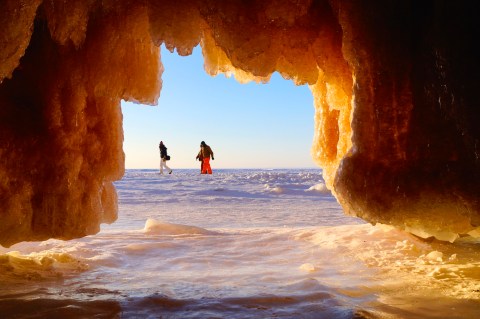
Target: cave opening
pixel 71 75
pixel 249 125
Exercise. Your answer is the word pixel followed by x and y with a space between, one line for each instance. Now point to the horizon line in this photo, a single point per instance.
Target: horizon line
pixel 299 167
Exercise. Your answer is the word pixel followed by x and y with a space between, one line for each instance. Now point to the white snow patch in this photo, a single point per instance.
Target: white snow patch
pixel 275 189
pixel 308 267
pixel 154 227
pixel 320 187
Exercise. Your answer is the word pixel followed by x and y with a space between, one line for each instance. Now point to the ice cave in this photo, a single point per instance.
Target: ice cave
pixel 395 85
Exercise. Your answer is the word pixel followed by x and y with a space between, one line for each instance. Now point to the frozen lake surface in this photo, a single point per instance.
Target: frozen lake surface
pixel 238 244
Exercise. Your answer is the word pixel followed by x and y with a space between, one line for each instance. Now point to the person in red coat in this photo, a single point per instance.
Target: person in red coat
pixel 204 156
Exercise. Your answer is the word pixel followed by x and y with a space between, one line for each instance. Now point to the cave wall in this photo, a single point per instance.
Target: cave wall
pixel 415 160
pixel 61 125
pixel 394 86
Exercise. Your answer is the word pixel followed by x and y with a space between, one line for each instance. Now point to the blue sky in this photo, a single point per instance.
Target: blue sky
pixel 247 125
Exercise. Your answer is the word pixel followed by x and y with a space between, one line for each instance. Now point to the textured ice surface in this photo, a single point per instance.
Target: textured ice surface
pixel 266 255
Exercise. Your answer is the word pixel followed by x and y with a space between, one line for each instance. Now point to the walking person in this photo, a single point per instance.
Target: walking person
pixel 164 158
pixel 204 156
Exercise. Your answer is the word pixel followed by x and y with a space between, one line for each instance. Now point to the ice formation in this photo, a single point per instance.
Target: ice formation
pixel 394 84
pixel 155 227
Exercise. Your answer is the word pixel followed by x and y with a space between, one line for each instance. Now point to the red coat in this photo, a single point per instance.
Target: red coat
pixel 205 151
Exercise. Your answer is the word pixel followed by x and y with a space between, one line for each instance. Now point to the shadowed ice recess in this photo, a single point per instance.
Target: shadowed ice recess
pixel 238 244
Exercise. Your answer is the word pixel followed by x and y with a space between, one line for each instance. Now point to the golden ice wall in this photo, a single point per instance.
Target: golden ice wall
pixel 415 154
pixel 393 83
pixel 61 125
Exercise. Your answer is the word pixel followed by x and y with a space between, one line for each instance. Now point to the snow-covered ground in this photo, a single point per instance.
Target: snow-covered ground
pixel 238 244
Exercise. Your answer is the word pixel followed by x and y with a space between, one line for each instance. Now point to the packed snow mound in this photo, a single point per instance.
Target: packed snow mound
pixel 320 188
pixel 275 189
pixel 154 227
pixel 39 265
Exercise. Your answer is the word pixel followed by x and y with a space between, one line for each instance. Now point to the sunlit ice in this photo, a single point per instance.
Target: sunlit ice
pixel 395 131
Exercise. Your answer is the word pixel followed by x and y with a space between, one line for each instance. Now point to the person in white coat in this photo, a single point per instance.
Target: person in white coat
pixel 164 158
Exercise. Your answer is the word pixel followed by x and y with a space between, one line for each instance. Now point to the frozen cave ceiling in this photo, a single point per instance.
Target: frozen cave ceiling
pixel 395 85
